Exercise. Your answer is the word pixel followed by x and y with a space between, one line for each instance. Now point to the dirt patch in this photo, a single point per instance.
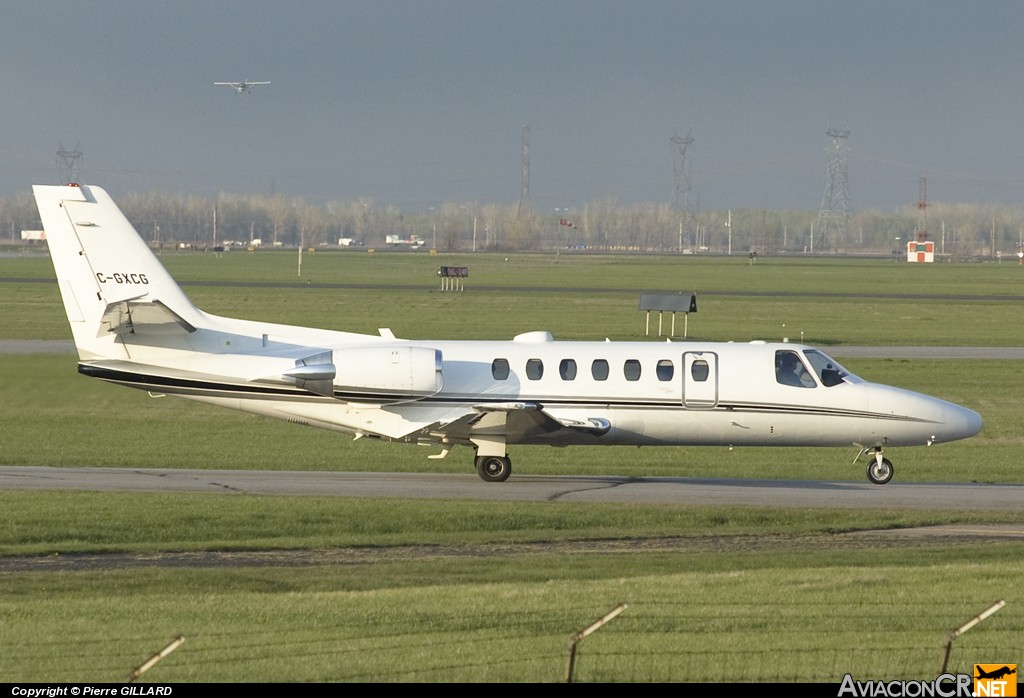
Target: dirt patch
pixel 916 537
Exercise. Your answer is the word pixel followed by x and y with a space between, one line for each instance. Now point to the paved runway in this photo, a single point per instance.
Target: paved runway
pixel 649 490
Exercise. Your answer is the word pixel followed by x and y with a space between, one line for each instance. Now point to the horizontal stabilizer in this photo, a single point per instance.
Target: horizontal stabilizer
pixel 134 316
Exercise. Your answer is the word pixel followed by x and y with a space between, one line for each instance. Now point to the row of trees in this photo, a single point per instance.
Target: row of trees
pixel 958 230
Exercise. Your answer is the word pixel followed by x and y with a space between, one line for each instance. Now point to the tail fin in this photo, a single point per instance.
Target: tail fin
pixel 111 282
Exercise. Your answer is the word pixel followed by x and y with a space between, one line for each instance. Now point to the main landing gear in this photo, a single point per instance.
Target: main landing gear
pixel 493 468
pixel 880 469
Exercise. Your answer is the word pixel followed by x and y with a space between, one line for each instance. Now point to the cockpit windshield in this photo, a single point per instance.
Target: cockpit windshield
pixel 829 371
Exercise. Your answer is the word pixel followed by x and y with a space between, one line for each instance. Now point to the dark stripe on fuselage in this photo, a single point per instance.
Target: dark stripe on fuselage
pixel 145 381
pixel 206 388
pixel 173 385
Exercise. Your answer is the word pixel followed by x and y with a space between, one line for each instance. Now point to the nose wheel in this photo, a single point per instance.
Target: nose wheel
pixel 880 469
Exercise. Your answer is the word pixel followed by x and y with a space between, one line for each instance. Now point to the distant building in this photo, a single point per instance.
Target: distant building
pixel 921 251
pixel 398 240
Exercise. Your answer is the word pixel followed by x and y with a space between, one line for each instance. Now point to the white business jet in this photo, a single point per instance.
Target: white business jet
pixel 133 325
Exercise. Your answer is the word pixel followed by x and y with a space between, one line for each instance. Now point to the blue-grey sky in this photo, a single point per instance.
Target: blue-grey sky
pixel 414 103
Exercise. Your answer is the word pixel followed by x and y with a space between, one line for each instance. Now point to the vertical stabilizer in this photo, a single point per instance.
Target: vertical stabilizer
pixel 106 271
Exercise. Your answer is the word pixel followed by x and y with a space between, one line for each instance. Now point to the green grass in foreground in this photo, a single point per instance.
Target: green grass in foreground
pixel 755 594
pixel 757 617
pixel 62 522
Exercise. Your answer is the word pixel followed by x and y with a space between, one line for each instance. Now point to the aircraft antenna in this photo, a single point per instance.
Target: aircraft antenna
pixel 68 164
pixel 524 192
pixel 683 199
pixel 833 219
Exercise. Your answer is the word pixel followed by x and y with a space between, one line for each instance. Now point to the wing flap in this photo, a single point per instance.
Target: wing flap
pixel 496 418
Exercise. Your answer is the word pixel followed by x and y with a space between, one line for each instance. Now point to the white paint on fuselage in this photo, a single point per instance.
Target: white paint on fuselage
pixel 750 406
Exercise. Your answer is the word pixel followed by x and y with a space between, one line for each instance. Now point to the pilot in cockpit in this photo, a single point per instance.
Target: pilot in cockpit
pixel 789 370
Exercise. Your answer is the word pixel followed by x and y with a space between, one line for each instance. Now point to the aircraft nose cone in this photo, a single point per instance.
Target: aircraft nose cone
pixel 960 423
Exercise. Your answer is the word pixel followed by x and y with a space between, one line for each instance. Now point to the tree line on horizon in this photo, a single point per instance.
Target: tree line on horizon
pixel 958 230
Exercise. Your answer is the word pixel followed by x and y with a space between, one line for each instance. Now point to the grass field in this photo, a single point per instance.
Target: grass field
pixel 825 301
pixel 490 592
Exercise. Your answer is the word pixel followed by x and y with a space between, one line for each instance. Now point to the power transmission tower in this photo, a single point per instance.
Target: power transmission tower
pixel 524 193
pixel 833 219
pixel 683 199
pixel 922 206
pixel 681 152
pixel 68 163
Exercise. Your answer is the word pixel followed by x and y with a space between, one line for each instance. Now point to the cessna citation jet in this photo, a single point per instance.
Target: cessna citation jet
pixel 133 325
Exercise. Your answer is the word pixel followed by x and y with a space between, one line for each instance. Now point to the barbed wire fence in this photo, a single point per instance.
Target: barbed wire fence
pixel 641 647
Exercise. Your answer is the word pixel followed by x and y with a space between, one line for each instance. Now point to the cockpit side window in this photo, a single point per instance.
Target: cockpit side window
pixel 829 372
pixel 790 370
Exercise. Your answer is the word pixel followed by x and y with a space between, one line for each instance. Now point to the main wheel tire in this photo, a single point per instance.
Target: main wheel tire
pixel 493 468
pixel 880 472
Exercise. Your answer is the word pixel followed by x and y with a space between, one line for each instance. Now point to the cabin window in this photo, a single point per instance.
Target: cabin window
pixel 631 370
pixel 599 370
pixel 567 369
pixel 699 370
pixel 790 370
pixel 534 369
pixel 665 370
pixel 499 369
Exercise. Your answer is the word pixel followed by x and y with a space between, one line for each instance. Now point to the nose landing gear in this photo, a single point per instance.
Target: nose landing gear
pixel 880 469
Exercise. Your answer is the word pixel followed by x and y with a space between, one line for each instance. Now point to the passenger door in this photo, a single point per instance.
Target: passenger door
pixel 700 379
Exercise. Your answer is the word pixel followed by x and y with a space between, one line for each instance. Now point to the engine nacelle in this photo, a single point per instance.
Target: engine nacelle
pixel 387 374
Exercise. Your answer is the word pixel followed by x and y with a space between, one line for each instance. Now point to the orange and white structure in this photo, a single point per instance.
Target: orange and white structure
pixel 921 251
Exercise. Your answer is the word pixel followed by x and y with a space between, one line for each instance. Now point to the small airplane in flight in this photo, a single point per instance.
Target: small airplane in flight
pixel 243 86
pixel 134 326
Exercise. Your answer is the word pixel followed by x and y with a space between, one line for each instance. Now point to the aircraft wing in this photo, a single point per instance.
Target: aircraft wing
pixel 512 419
pixel 546 420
